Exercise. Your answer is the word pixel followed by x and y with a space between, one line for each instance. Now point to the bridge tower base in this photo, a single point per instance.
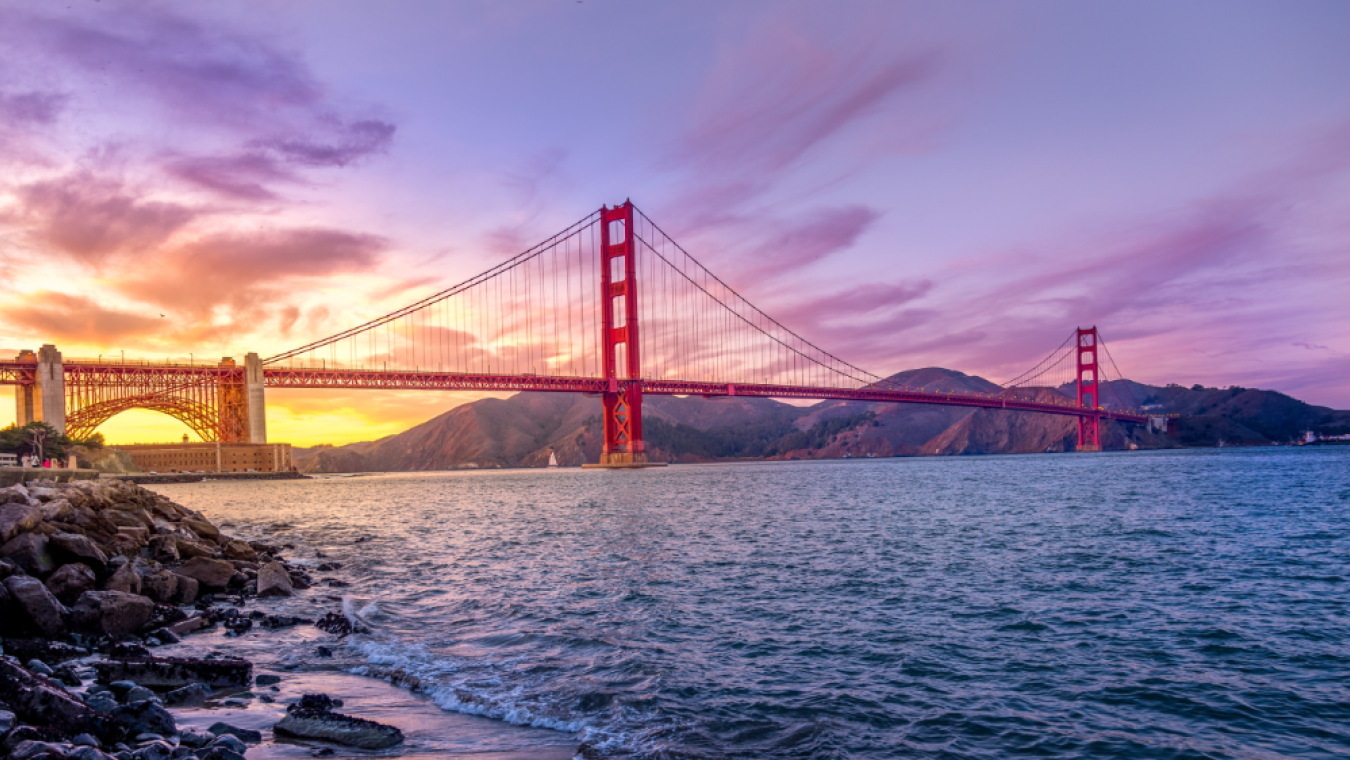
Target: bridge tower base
pixel 1089 426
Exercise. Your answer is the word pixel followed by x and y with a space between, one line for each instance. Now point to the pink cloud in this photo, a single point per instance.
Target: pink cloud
pixel 92 218
pixel 244 270
pixel 62 317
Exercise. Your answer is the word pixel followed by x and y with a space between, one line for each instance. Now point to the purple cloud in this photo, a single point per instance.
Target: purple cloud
pixel 31 108
pixel 343 144
pixel 800 244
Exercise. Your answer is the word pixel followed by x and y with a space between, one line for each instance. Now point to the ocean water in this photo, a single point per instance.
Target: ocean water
pixel 1187 604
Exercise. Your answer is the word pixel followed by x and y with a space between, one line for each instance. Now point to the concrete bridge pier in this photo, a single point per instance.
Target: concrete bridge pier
pixel 49 394
pixel 45 399
pixel 253 396
pixel 23 402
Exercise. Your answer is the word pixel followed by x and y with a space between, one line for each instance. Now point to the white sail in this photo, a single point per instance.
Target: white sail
pixel 552 459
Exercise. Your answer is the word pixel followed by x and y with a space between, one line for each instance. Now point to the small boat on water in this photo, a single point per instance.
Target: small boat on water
pixel 552 459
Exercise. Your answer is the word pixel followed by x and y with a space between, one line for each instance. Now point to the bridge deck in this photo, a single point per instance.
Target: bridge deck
pixel 19 373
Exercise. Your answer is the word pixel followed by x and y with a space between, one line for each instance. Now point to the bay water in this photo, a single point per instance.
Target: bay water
pixel 1175 604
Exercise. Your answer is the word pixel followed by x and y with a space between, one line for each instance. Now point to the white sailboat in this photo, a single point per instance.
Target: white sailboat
pixel 552 459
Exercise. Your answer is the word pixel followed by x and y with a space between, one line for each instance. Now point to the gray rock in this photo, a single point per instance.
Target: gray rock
pixel 7 721
pixel 85 740
pixel 187 590
pixel 273 580
pixel 111 613
pixel 190 695
pixel 267 680
pixel 195 737
pixel 67 676
pixel 42 609
pixel 35 750
pixel 37 701
pixel 164 549
pixel 125 580
pixel 237 549
pixel 121 688
pixel 177 672
pixel 40 667
pixel 17 517
pixel 161 586
pixel 146 716
pixel 339 729
pixel 102 703
pixel 155 750
pixel 139 694
pixel 213 574
pixel 187 549
pixel 233 737
pixel 219 753
pixel 29 552
pixel 72 547
pixel 70 581
pixel 87 753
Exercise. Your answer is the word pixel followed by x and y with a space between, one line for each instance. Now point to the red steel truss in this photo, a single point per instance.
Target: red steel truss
pixel 209 400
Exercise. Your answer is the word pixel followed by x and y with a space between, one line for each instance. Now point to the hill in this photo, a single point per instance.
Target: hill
pixel 523 430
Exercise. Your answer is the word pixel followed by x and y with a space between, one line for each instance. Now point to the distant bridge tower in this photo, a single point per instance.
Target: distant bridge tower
pixel 1089 428
pixel 619 338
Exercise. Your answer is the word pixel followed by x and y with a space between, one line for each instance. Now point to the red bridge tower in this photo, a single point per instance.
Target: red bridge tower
pixel 620 341
pixel 1089 428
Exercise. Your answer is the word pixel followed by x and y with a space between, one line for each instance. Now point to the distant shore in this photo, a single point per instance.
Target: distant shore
pixel 199 477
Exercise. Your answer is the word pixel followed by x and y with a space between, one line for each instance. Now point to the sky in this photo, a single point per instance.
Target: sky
pixel 954 184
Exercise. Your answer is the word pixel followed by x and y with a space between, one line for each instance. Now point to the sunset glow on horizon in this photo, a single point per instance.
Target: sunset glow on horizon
pixel 904 184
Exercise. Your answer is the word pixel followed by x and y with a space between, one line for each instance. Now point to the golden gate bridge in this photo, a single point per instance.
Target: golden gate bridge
pixel 611 306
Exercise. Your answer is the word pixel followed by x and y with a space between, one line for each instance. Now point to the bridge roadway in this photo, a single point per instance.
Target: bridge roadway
pixel 22 373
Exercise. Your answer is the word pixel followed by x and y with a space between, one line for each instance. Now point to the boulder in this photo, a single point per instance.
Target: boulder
pixel 111 613
pixel 177 672
pixel 137 533
pixel 237 549
pixel 187 549
pixel 339 729
pixel 123 518
pixel 70 581
pixel 273 580
pixel 125 580
pixel 39 701
pixel 42 609
pixel 10 615
pixel 17 517
pixel 213 574
pixel 164 548
pixel 161 586
pixel 123 544
pixel 187 590
pixel 52 652
pixel 245 735
pixel 72 547
pixel 188 696
pixel 29 552
pixel 58 509
pixel 145 717
pixel 91 521
pixel 203 529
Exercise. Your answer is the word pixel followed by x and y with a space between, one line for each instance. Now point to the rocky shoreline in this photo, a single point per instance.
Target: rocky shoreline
pixel 98 578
